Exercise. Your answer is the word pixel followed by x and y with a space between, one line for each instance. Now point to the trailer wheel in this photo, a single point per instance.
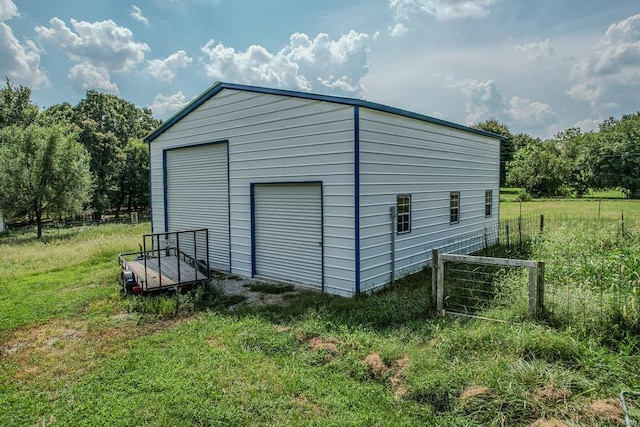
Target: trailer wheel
pixel 128 281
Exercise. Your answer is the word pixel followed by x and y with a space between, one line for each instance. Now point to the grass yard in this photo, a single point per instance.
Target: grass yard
pixel 572 207
pixel 73 351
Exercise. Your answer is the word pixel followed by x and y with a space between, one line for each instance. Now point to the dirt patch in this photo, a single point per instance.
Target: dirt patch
pixel 215 342
pixel 304 402
pixel 607 410
pixel 256 292
pixel 328 345
pixel 474 391
pixel 551 422
pixel 397 380
pixel 376 366
pixel 550 393
pixel 63 348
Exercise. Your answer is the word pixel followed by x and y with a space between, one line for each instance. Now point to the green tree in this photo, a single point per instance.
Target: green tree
pixel 43 171
pixel 538 167
pixel 521 140
pixel 107 123
pixel 132 177
pixel 506 145
pixel 574 149
pixel 616 155
pixel 16 107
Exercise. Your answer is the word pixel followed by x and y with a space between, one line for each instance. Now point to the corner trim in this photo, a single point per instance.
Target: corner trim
pixel 356 193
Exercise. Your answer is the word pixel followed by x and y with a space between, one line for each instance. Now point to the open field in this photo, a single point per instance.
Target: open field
pixel 73 351
pixel 572 207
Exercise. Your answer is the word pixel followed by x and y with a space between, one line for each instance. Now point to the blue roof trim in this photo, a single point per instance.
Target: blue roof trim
pixel 217 87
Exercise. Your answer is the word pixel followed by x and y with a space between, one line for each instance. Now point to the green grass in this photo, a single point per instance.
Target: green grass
pixel 572 207
pixel 77 353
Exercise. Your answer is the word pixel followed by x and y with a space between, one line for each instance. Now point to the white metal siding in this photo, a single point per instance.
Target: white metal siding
pixel 197 196
pixel 400 155
pixel 288 233
pixel 275 138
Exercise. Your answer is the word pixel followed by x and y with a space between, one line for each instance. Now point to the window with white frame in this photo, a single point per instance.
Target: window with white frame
pixel 403 213
pixel 488 202
pixel 454 207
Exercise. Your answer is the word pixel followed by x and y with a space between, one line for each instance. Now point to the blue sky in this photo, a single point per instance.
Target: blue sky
pixel 540 66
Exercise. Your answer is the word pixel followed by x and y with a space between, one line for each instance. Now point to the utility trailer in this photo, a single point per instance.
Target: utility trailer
pixel 167 261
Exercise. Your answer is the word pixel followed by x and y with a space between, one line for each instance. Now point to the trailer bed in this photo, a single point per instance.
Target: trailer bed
pixel 167 261
pixel 165 273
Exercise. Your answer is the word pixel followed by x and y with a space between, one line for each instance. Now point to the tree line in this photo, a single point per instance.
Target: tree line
pixel 572 162
pixel 64 159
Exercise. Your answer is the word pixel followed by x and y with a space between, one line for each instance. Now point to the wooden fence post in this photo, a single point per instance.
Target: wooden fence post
pixel 434 276
pixel 532 292
pixel 541 223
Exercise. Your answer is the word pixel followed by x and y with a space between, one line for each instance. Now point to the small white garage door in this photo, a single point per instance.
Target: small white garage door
pixel 198 196
pixel 288 232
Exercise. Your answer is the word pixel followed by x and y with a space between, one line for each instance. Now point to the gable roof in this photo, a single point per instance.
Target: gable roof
pixel 217 87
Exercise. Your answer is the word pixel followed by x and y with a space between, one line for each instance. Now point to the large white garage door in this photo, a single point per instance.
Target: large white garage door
pixel 198 196
pixel 288 232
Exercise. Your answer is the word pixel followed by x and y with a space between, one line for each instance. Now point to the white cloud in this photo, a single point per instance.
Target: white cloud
pixel 304 64
pixel 484 100
pixel 588 124
pixel 164 105
pixel 136 14
pixel 531 113
pixel 7 10
pixel 164 69
pixel 442 10
pixel 611 74
pixel 536 51
pixel 87 76
pixel 21 63
pixel 100 43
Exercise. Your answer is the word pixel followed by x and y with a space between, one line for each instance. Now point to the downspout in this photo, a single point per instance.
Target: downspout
pixel 392 211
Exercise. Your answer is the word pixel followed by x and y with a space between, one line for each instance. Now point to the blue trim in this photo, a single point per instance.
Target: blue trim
pixel 150 186
pixel 253 229
pixel 229 207
pixel 219 86
pixel 164 190
pixel 322 237
pixel 356 195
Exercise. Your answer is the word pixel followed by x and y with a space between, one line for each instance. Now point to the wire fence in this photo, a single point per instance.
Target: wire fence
pixel 592 272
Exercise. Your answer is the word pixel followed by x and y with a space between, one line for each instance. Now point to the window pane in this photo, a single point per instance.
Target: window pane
pixel 403 213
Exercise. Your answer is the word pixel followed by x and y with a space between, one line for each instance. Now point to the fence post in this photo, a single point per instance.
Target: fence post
pixel 486 243
pixel 440 291
pixel 541 223
pixel 540 290
pixel 434 276
pixel 508 242
pixel 532 293
pixel 622 222
pixel 520 231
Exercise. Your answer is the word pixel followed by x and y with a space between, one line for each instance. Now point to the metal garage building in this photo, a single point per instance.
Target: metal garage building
pixel 301 187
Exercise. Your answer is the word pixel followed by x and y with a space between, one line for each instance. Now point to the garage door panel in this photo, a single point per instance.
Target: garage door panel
pixel 288 232
pixel 197 196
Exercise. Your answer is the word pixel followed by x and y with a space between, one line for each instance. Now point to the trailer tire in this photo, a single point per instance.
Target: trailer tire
pixel 128 281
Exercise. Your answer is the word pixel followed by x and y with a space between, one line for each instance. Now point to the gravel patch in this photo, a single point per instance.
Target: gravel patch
pixel 235 285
